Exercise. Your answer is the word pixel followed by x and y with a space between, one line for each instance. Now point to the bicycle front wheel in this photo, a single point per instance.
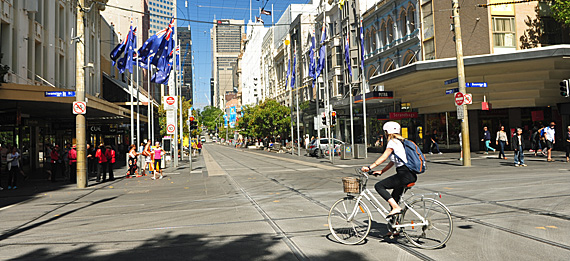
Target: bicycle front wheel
pixel 351 231
pixel 439 225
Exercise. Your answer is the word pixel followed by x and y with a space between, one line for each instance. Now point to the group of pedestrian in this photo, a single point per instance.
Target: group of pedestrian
pixel 542 140
pixel 152 160
pixel 13 160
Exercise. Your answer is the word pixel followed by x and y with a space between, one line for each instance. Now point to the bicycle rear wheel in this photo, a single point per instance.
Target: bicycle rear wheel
pixel 346 231
pixel 438 230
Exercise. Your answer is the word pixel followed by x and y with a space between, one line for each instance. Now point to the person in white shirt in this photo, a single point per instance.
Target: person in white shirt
pixel 549 139
pixel 397 154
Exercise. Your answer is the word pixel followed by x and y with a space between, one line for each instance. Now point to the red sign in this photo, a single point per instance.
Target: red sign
pixel 170 100
pixel 468 98
pixel 403 115
pixel 485 106
pixel 79 107
pixel 459 99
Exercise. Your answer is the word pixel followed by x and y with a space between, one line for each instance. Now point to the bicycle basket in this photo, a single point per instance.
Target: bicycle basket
pixel 351 185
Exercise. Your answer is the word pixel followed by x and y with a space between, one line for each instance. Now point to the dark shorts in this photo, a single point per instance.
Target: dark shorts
pixel 549 144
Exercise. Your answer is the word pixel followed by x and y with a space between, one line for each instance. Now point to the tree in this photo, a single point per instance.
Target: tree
pixel 561 11
pixel 211 117
pixel 266 119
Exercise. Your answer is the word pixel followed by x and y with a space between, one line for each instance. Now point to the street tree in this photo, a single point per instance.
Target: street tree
pixel 211 117
pixel 561 11
pixel 268 118
pixel 186 104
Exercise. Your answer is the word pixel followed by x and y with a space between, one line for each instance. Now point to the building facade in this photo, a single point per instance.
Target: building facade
pixel 250 84
pixel 226 38
pixel 161 11
pixel 185 39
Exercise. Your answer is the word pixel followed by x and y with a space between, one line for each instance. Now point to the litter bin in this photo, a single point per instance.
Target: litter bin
pixel 359 151
pixel 345 152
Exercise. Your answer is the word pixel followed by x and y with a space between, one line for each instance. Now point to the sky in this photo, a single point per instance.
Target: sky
pixel 207 10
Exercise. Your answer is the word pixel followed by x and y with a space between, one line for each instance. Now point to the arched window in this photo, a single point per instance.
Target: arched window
pixel 383 33
pixel 403 23
pixel 372 71
pixel 409 58
pixel 367 42
pixel 389 65
pixel 373 42
pixel 411 18
pixel 389 30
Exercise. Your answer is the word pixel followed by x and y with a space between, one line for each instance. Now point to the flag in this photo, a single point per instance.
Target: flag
pixel 126 63
pixel 265 12
pixel 179 62
pixel 347 54
pixel 258 19
pixel 117 52
pixel 149 48
pixel 293 72
pixel 160 60
pixel 312 58
pixel 322 52
pixel 362 48
pixel 288 69
pixel 161 76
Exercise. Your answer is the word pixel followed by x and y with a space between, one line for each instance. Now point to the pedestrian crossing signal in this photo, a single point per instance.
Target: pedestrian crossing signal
pixel 324 118
pixel 565 88
pixel 333 118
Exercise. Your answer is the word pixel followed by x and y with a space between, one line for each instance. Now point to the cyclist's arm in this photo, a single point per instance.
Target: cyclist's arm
pixel 380 160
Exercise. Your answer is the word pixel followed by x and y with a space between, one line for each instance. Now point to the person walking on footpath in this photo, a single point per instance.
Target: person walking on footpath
pixel 102 163
pixel 65 156
pixel 199 145
pixel 72 158
pixel 487 140
pixel 132 161
pixel 549 139
pixel 13 161
pixel 567 143
pixel 54 155
pixel 91 160
pixel 535 141
pixel 146 152
pixel 434 141
pixel 110 155
pixel 157 155
pixel 502 141
pixel 461 145
pixel 517 144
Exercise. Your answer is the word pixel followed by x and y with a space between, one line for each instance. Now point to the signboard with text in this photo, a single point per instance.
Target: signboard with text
pixel 403 115
pixel 170 102
pixel 60 94
pixel 459 99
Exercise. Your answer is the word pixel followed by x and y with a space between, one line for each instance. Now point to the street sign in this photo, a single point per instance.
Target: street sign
pixel 476 84
pixel 451 91
pixel 460 115
pixel 79 107
pixel 60 94
pixel 459 99
pixel 170 102
pixel 468 98
pixel 450 81
pixel 171 129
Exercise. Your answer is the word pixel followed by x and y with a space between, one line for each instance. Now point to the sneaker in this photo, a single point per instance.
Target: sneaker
pixel 524 165
pixel 486 153
pixel 460 158
pixel 1 188
pixel 430 152
pixel 160 177
pixel 517 165
pixel 153 178
pixel 440 153
pixel 9 187
pixel 14 187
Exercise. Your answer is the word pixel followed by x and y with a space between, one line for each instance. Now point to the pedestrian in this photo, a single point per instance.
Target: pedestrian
pixel 567 143
pixel 157 156
pixel 101 163
pixel 307 141
pixel 110 154
pixel 65 159
pixel 91 160
pixel 54 155
pixel 72 159
pixel 535 141
pixel 487 140
pixel 147 158
pixel 517 144
pixel 132 161
pixel 199 148
pixel 13 162
pixel 549 139
pixel 434 140
pixel 502 141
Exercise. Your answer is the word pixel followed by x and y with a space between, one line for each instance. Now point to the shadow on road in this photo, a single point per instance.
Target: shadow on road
pixel 188 247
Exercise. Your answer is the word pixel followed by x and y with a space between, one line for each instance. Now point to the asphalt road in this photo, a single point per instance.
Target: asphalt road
pixel 254 205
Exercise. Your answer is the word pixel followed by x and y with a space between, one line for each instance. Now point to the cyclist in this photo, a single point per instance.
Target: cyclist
pixel 396 153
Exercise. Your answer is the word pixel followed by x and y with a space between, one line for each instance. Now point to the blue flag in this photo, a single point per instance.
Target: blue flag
pixel 312 58
pixel 322 52
pixel 126 63
pixel 149 48
pixel 362 48
pixel 288 69
pixel 347 55
pixel 161 76
pixel 293 73
pixel 160 60
pixel 117 52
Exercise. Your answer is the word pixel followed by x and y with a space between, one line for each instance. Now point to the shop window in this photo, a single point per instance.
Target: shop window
pixel 504 31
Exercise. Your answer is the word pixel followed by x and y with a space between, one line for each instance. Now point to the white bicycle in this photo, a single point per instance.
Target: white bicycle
pixel 424 221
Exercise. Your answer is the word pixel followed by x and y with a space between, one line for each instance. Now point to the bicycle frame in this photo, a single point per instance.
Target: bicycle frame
pixel 367 194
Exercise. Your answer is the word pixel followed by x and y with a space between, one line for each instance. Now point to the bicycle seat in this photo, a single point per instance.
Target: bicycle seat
pixel 410 185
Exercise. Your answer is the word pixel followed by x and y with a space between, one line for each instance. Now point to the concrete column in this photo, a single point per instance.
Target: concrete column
pixel 50 41
pixel 514 118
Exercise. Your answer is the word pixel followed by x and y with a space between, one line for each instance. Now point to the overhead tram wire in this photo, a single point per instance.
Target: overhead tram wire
pixel 184 19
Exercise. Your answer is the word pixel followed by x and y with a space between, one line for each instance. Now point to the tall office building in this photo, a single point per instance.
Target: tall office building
pixel 185 38
pixel 226 46
pixel 161 11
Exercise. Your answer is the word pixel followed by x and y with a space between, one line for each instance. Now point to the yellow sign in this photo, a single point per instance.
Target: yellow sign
pixel 405 133
pixel 185 141
pixel 287 42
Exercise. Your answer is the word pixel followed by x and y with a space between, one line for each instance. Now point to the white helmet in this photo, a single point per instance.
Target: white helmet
pixel 391 127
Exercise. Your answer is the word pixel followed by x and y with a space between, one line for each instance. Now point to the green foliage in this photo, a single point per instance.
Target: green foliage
pixel 266 119
pixel 4 69
pixel 561 11
pixel 162 117
pixel 210 117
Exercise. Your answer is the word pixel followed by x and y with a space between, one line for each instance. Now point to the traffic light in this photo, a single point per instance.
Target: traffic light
pixel 565 88
pixel 324 118
pixel 193 124
pixel 333 118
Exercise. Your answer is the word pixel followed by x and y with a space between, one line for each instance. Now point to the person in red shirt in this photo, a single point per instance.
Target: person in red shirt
pixel 72 156
pixel 110 155
pixel 101 163
pixel 54 155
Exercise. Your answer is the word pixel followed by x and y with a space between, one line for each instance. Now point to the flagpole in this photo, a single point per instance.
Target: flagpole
pixel 175 35
pixel 297 97
pixel 350 90
pixel 180 92
pixel 327 109
pixel 149 120
pixel 132 110
pixel 364 91
pixel 290 97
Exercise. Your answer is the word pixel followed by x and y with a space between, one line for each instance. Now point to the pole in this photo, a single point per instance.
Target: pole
pixel 131 88
pixel 351 98
pixel 298 131
pixel 80 124
pixel 175 89
pixel 149 117
pixel 461 80
pixel 447 128
pixel 180 103
pixel 138 106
